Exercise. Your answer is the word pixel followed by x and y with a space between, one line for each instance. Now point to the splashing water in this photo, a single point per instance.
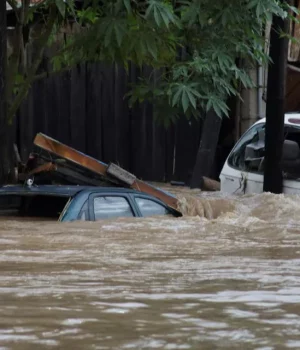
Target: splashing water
pixel 225 275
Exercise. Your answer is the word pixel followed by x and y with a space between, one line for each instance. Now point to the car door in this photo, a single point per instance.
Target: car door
pixel 291 160
pixel 108 206
pixel 243 171
pixel 150 206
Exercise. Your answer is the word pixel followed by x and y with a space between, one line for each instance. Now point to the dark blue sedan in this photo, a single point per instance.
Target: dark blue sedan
pixel 69 203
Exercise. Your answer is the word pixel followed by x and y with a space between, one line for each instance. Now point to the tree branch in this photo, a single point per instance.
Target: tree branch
pixel 26 4
pixel 41 43
pixel 49 74
pixel 13 63
pixel 25 8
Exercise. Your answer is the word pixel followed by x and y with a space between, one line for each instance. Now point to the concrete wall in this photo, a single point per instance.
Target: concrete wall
pixel 253 106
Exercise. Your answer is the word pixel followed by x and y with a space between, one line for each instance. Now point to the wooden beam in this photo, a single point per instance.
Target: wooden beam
pixel 62 151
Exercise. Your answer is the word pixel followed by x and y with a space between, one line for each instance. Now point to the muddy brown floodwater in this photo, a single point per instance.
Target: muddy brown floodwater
pixel 227 278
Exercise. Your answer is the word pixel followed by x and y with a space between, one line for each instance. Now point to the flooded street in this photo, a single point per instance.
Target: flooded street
pixel 227 278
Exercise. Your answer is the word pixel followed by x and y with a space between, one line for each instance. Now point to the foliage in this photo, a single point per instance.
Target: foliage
pixel 193 46
pixel 36 25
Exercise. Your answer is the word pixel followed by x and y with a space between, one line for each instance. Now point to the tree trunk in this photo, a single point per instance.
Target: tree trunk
pixel 207 149
pixel 275 107
pixel 6 143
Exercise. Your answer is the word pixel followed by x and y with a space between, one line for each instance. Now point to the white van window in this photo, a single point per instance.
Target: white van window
pixel 249 152
pixel 291 153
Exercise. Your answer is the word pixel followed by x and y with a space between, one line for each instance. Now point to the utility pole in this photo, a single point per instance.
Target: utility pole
pixel 275 106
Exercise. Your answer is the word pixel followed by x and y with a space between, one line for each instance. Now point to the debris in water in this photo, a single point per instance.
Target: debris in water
pixel 54 162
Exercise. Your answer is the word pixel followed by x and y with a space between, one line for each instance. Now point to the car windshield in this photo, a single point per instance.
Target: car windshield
pixel 39 206
pixel 248 154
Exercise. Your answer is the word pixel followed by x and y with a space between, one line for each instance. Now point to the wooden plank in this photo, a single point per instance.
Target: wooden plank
pixel 39 107
pixel 109 131
pixel 186 143
pixel 158 152
pixel 141 186
pixel 148 138
pixel 43 168
pixel 122 117
pixel 139 141
pixel 51 107
pixel 169 152
pixel 77 107
pixel 94 165
pixel 63 151
pixel 94 103
pixel 157 144
pixel 62 86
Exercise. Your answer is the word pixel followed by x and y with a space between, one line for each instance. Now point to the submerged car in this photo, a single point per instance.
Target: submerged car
pixel 243 169
pixel 69 203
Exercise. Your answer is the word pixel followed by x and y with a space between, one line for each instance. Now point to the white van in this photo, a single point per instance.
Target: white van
pixel 243 169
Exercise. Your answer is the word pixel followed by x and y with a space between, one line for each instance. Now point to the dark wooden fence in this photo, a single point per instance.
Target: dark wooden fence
pixel 85 108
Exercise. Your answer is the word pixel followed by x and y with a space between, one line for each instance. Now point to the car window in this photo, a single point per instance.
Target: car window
pixel 149 207
pixel 35 205
pixel 248 154
pixel 83 212
pixel 291 153
pixel 106 207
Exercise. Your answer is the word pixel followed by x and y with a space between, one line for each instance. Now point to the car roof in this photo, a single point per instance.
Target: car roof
pixel 59 190
pixel 292 118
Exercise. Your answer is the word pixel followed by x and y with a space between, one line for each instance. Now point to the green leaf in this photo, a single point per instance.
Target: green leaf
pixel 252 4
pixel 162 12
pixel 120 31
pixel 156 16
pixel 152 32
pixel 185 100
pixel 30 16
pixel 127 5
pixel 209 105
pixel 217 109
pixel 176 97
pixel 165 18
pixel 224 108
pixel 109 34
pixel 191 98
pixel 61 7
pixel 71 6
pixel 259 9
pixel 152 48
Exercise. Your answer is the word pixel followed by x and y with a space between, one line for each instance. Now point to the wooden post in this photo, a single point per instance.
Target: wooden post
pixel 207 149
pixel 275 107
